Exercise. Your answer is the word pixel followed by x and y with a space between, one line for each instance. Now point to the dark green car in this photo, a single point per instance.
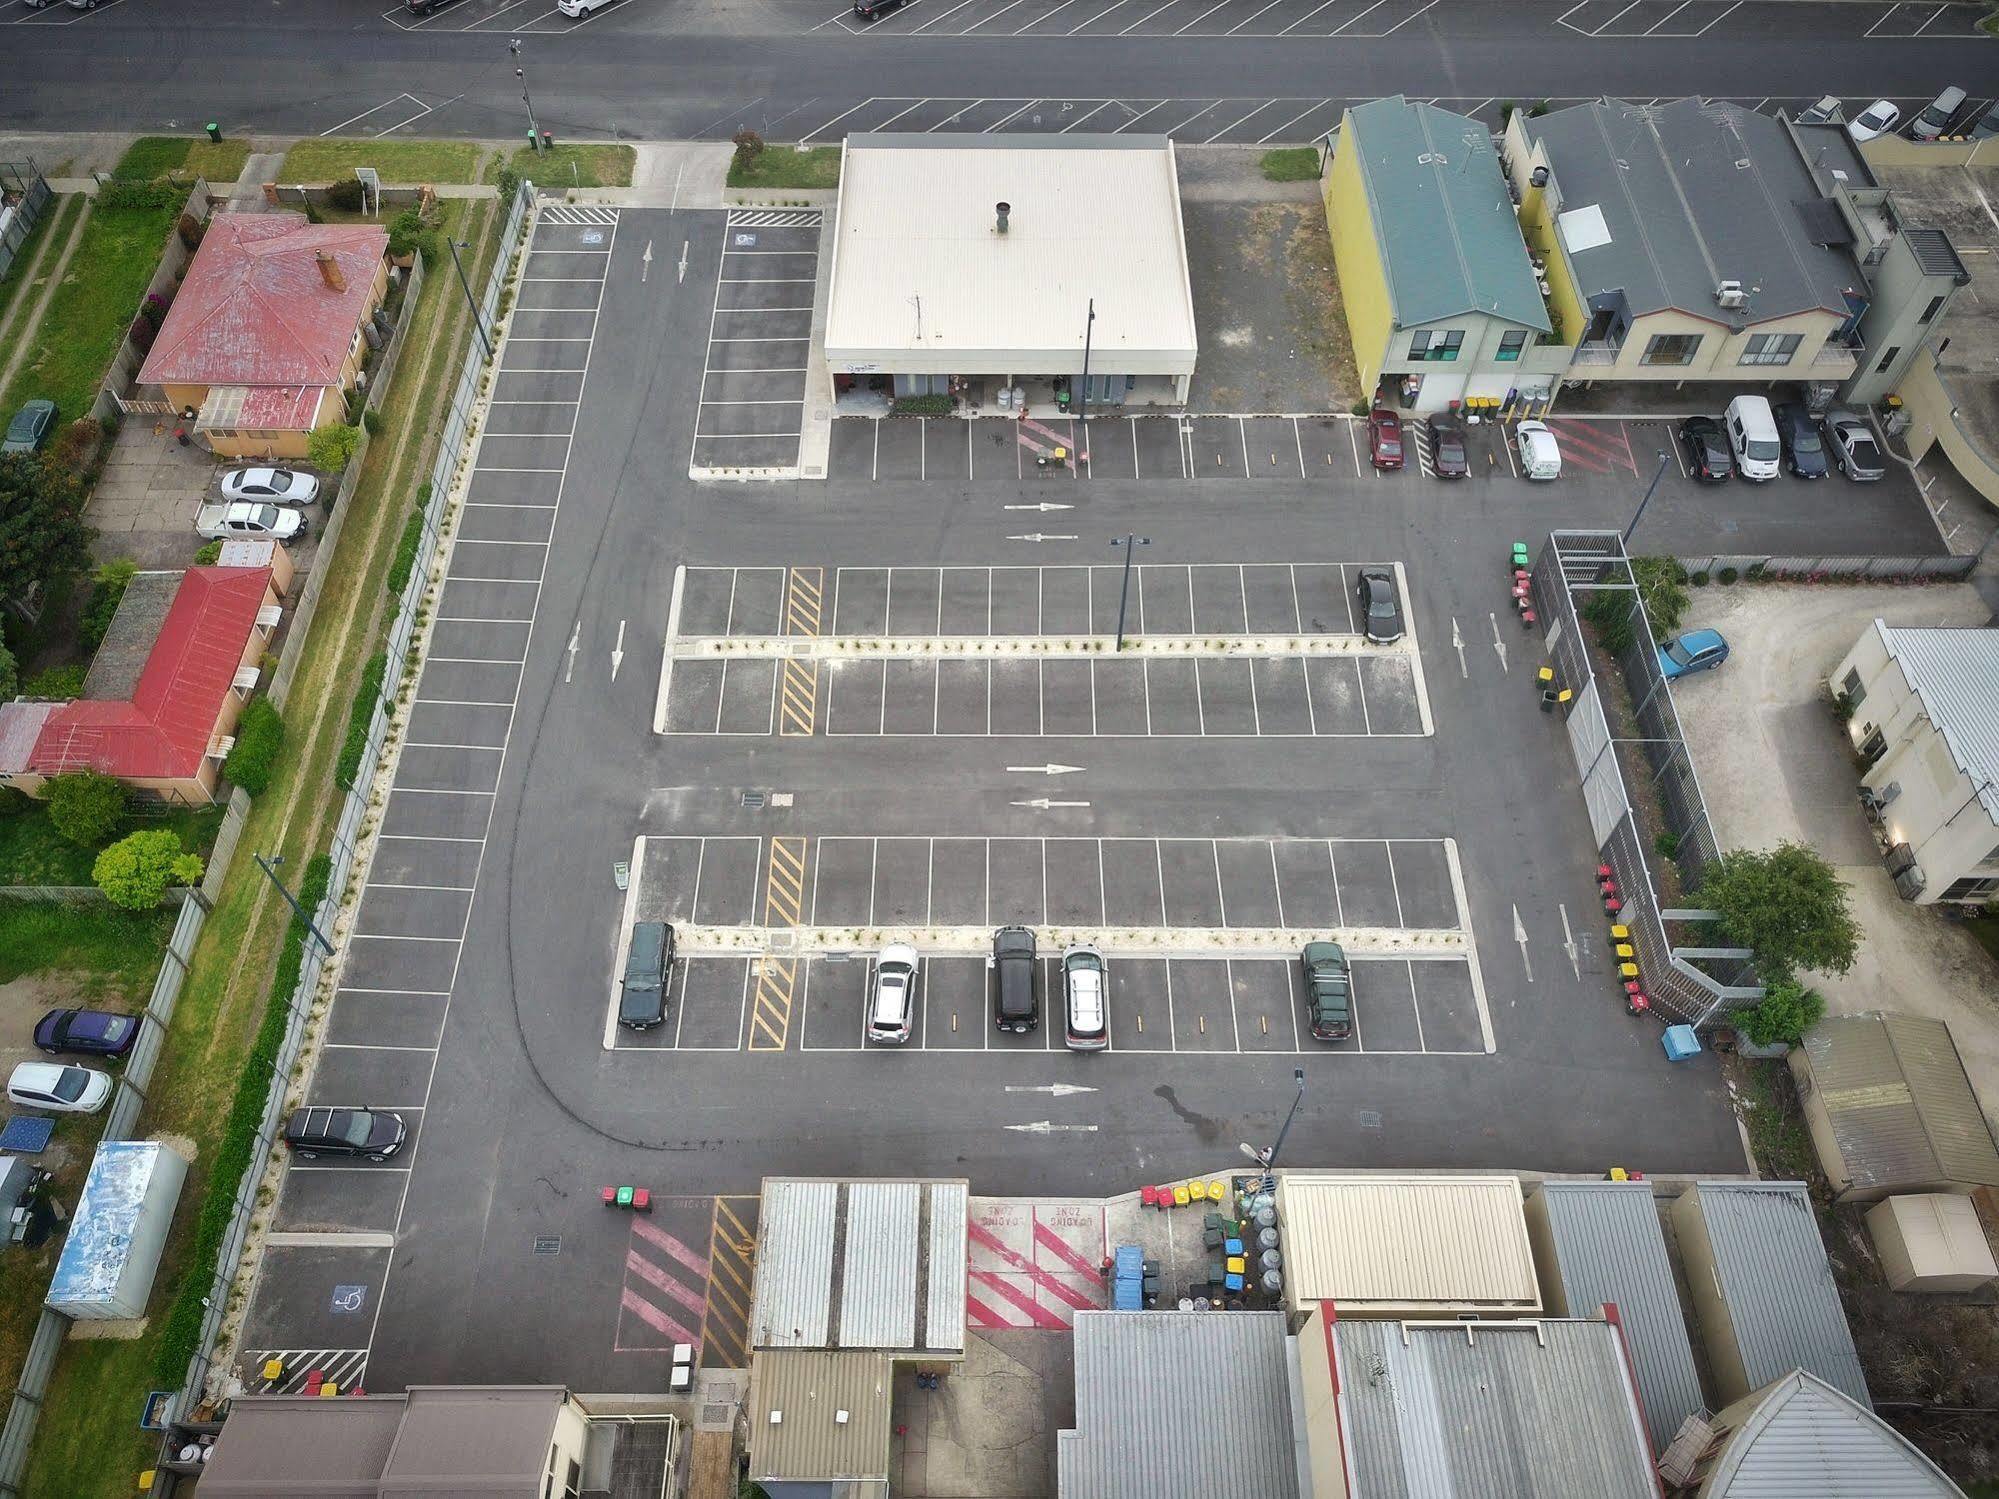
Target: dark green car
pixel 1328 991
pixel 30 427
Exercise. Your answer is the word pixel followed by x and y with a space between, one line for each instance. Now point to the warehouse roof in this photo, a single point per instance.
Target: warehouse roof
pixel 1489 1410
pixel 919 261
pixel 1162 1395
pixel 1387 1246
pixel 1805 1437
pixel 860 1264
pixel 1777 1283
pixel 1902 1108
pixel 269 1442
pixel 819 1416
pixel 1610 1249
pixel 1956 674
pixel 1450 239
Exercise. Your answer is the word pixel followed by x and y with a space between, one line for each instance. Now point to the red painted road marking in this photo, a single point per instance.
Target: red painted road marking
pixel 637 1264
pixel 1044 1316
pixel 1045 1279
pixel 658 1320
pixel 1592 438
pixel 664 1240
pixel 981 1315
pixel 1049 1239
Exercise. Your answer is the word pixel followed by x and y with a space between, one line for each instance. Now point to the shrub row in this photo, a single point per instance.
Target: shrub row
pixel 260 735
pixel 359 716
pixel 180 1332
pixel 403 563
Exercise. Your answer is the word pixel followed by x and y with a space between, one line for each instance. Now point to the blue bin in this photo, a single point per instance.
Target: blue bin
pixel 1681 1043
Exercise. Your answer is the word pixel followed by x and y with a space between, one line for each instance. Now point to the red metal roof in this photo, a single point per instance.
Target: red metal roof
pixel 163 732
pixel 255 308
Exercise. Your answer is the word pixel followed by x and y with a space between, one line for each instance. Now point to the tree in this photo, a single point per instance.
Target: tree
pixel 42 534
pixel 1787 906
pixel 260 734
pixel 330 447
pixel 135 871
pixel 10 675
pixel 1787 1010
pixel 86 807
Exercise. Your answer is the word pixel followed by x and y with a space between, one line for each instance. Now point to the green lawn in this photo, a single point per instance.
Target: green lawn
pixel 88 316
pixel 329 159
pixel 781 166
pixel 58 218
pixel 1291 164
pixel 572 166
pixel 152 156
pixel 115 952
pixel 32 852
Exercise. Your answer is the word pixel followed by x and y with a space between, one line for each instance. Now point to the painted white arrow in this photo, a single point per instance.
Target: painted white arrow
pixel 1050 769
pixel 1498 644
pixel 618 651
pixel 1040 536
pixel 575 636
pixel 1044 1127
pixel 1057 1090
pixel 645 270
pixel 1042 804
pixel 1569 944
pixel 1458 645
pixel 1520 936
pixel 1040 505
pixel 683 260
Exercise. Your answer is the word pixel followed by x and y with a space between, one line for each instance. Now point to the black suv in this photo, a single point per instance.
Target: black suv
pixel 870 10
pixel 374 1134
pixel 1799 431
pixel 642 995
pixel 1016 980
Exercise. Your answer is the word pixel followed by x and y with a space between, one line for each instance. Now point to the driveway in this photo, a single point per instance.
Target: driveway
pixel 1775 768
pixel 144 504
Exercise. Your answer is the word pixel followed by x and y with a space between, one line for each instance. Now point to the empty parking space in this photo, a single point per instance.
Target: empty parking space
pixel 752 400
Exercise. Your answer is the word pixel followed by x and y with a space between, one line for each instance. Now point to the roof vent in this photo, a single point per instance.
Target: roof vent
pixel 1730 294
pixel 1000 211
pixel 1539 177
pixel 777 1418
pixel 329 271
pixel 841 1417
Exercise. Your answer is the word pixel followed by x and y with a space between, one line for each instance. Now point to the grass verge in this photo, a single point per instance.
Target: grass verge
pixel 32 852
pixel 53 226
pixel 154 156
pixel 781 166
pixel 601 165
pixel 115 953
pixel 88 1442
pixel 1291 164
pixel 92 308
pixel 327 159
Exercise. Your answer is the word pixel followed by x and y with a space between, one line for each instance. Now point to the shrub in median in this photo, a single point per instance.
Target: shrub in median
pixel 85 807
pixel 359 716
pixel 404 560
pixel 260 735
pixel 135 871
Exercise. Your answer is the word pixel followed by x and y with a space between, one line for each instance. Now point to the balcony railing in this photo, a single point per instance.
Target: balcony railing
pixel 1599 353
pixel 1845 356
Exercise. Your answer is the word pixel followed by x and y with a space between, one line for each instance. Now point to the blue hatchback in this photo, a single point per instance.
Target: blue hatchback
pixel 1697 650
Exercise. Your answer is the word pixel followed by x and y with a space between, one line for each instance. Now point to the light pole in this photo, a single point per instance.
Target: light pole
pixel 478 320
pixel 1083 409
pixel 1267 1158
pixel 1129 542
pixel 534 135
pixel 1657 474
pixel 269 864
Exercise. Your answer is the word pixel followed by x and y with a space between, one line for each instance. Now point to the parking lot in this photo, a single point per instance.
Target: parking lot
pixel 753 377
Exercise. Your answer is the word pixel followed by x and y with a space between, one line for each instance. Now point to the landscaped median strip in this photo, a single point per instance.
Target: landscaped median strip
pixel 691 941
pixel 987 647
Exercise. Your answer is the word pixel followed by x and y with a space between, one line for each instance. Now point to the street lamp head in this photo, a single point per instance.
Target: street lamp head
pixel 1251 1151
pixel 1298 1076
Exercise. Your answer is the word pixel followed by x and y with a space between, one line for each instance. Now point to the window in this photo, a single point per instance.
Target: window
pixel 1854 688
pixel 1672 348
pixel 1936 306
pixel 1436 348
pixel 1887 359
pixel 1873 747
pixel 1770 348
pixel 1510 345
pixel 1970 889
pixel 1989 864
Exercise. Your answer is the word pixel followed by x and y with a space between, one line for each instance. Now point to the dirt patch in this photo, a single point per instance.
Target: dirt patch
pixel 26 1000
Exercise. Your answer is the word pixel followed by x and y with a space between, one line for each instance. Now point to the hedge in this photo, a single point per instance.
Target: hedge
pixel 359 716
pixel 180 1331
pixel 260 734
pixel 403 563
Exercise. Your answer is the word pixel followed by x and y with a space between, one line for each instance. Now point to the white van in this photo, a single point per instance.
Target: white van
pixel 1540 456
pixel 1752 435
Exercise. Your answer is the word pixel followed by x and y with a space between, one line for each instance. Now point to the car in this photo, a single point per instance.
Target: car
pixel 1380 609
pixel 1709 458
pixel 1540 454
pixel 59 1087
pixel 1016 980
pixel 372 1134
pixel 1804 452
pixel 1697 650
pixel 1853 446
pixel 1987 126
pixel 874 10
pixel 1447 448
pixel 30 427
pixel 1384 438
pixel 1876 119
pixel 93 1033
pixel 1085 1023
pixel 574 9
pixel 253 522
pixel 279 486
pixel 1934 118
pixel 892 1001
pixel 425 7
pixel 648 961
pixel 1328 991
pixel 1825 110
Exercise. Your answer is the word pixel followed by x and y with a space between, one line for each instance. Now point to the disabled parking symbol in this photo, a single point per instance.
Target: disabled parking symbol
pixel 348 1299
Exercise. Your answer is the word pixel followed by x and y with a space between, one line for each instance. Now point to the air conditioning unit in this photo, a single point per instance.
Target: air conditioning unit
pixel 1731 294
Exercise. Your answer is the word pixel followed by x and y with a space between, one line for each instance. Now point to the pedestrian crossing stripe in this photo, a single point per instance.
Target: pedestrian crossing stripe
pixel 342 1368
pixel 570 213
pixel 780 218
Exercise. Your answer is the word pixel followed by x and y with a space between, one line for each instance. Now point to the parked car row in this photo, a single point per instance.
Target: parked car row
pixel 1943 115
pixel 64 1087
pixel 1755 440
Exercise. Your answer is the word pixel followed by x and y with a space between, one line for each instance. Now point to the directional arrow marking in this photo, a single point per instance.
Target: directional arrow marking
pixel 1040 536
pixel 1041 505
pixel 1043 804
pixel 1458 645
pixel 646 269
pixel 1498 644
pixel 618 651
pixel 1520 936
pixel 575 636
pixel 1569 944
pixel 1057 1090
pixel 1044 1127
pixel 1050 769
pixel 683 260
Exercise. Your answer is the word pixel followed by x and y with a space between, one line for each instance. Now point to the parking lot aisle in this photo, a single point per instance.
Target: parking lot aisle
pixel 752 403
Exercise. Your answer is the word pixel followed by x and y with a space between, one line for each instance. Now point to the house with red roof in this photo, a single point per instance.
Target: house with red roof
pixel 169 731
pixel 265 336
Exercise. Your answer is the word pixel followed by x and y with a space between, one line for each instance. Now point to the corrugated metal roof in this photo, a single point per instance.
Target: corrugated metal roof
pixel 1901 1105
pixel 810 1389
pixel 1935 254
pixel 1778 1284
pixel 1956 674
pixel 1808 1438
pixel 1389 1245
pixel 1178 1403
pixel 1450 240
pixel 794 1290
pixel 1490 1410
pixel 919 264
pixel 878 1290
pixel 1610 1248
pixel 944 1316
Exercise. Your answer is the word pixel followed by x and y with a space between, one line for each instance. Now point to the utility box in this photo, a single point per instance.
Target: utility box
pixel 1931 1241
pixel 107 1265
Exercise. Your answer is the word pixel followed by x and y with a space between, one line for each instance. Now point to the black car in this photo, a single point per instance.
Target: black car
pixel 1447 448
pixel 1706 447
pixel 1381 611
pixel 374 1134
pixel 642 992
pixel 1804 449
pixel 424 7
pixel 1016 980
pixel 93 1033
pixel 872 10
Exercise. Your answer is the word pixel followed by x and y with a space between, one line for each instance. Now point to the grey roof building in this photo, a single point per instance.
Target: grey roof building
pixel 1601 1243
pixel 1890 1107
pixel 819 1424
pixel 1181 1402
pixel 1762 1287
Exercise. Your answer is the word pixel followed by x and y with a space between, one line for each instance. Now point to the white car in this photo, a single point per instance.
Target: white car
pixel 278 486
pixel 1540 455
pixel 1877 118
pixel 892 1000
pixel 59 1087
pixel 251 522
pixel 574 9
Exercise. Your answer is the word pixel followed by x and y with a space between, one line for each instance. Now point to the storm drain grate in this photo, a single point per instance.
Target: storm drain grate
pixel 715 1415
pixel 548 1244
pixel 1370 1119
pixel 754 800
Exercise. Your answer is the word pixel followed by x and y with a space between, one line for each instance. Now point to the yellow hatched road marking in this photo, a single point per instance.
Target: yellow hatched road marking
pixel 804 600
pixel 801 699
pixel 725 1317
pixel 777 978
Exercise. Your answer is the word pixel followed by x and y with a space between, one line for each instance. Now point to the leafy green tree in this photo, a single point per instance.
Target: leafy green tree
pixel 10 675
pixel 86 807
pixel 260 734
pixel 1787 905
pixel 331 446
pixel 1788 1009
pixel 42 534
pixel 136 871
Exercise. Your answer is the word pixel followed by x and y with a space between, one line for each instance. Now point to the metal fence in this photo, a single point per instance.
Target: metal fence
pixel 22 181
pixel 1593 564
pixel 1840 569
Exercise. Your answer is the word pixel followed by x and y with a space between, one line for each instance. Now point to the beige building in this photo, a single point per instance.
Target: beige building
pixel 1925 719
